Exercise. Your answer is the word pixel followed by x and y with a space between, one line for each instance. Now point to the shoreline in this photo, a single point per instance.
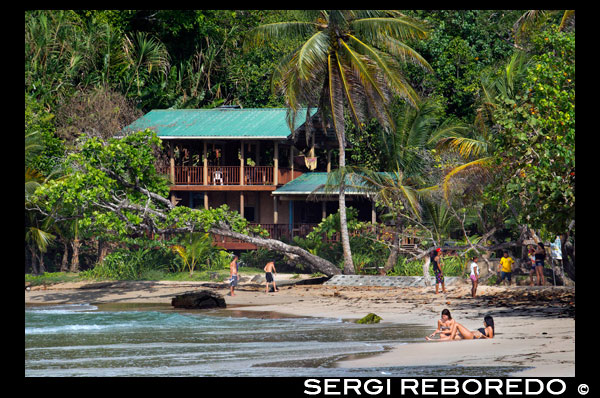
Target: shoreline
pixel 535 326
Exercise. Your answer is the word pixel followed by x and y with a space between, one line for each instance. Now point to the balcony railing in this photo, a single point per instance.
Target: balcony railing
pixel 230 175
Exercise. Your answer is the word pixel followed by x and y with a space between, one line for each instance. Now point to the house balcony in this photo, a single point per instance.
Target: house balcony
pixel 228 176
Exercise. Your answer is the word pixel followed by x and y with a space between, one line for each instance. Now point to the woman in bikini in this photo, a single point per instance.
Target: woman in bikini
pixel 459 332
pixel 444 326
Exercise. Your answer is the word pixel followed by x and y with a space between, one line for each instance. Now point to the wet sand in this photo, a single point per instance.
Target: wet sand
pixel 535 326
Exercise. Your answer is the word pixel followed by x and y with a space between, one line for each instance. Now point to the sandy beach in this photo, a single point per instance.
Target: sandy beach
pixel 535 326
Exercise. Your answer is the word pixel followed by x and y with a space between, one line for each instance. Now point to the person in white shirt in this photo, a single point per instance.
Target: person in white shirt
pixel 474 276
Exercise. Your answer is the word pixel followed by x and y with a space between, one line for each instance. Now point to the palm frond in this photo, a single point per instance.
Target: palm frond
pixel 464 146
pixel 477 168
pixel 388 67
pixel 277 31
pixel 364 69
pixel 39 237
pixel 568 18
pixel 406 53
pixel 374 30
pixel 335 99
pixel 311 55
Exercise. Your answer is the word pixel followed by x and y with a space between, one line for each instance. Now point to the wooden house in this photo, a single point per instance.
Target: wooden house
pixel 250 160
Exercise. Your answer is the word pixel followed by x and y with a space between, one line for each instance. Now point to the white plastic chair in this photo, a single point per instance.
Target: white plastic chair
pixel 217 176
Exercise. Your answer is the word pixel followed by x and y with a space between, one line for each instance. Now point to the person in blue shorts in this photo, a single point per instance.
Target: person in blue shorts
pixel 233 274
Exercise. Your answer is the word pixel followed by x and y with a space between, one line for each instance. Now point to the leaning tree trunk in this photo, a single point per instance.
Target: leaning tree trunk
pixel 64 264
pixel 34 268
pixel 75 244
pixel 316 263
pixel 395 249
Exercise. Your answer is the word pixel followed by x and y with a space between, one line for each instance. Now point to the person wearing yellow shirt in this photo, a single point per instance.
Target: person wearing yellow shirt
pixel 506 263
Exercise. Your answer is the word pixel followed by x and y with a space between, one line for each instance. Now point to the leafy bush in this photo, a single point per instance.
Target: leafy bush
pixel 124 264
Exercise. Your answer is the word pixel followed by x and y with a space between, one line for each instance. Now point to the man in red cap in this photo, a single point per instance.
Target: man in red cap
pixel 437 270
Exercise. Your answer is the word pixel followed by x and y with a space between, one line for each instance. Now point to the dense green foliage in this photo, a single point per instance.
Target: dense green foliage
pixel 490 144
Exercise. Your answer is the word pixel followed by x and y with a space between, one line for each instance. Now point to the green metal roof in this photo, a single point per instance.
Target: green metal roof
pixel 313 182
pixel 222 123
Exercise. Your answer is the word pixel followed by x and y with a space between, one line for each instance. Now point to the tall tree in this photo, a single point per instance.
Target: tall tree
pixel 348 60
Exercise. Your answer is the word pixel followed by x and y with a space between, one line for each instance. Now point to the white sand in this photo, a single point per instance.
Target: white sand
pixel 531 335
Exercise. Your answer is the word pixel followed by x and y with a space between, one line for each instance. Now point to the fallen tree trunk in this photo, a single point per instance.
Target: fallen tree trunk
pixel 296 253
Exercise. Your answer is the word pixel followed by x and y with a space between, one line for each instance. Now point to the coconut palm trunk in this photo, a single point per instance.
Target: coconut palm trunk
pixel 348 264
pixel 347 60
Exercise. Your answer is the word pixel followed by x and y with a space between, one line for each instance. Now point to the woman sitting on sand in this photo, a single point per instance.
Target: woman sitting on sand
pixel 444 325
pixel 459 332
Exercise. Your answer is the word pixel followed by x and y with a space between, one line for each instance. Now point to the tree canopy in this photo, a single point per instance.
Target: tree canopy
pixel 479 123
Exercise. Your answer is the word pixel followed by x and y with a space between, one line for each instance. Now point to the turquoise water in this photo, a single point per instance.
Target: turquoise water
pixel 89 340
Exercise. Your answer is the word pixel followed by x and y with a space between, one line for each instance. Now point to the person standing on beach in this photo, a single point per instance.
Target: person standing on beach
pixel 437 270
pixel 506 263
pixel 474 276
pixel 540 256
pixel 531 256
pixel 233 274
pixel 269 270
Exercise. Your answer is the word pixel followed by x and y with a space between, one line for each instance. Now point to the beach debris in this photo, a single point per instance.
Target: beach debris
pixel 369 319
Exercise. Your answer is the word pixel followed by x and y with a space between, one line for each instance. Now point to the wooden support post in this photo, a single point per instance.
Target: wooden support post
pixel 323 210
pixel 373 213
pixel 204 167
pixel 329 161
pixel 171 164
pixel 275 210
pixel 276 164
pixel 242 204
pixel 206 200
pixel 242 165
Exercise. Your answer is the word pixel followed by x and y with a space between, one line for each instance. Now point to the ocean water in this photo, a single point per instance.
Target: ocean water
pixel 126 340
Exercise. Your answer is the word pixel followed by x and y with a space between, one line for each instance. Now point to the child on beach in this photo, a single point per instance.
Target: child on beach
pixel 474 276
pixel 269 270
pixel 506 263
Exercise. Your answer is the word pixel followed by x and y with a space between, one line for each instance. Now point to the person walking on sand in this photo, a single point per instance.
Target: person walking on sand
pixel 233 274
pixel 437 270
pixel 505 266
pixel 269 270
pixel 474 276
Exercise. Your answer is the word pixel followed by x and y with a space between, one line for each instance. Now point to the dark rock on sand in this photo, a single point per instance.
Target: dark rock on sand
pixel 198 300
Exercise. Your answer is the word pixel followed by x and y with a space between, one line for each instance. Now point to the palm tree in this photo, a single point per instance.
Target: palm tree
pixel 143 54
pixel 340 66
pixel 476 145
pixel 197 248
pixel 397 194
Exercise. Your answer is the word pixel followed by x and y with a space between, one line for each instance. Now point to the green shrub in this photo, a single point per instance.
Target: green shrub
pixel 124 264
